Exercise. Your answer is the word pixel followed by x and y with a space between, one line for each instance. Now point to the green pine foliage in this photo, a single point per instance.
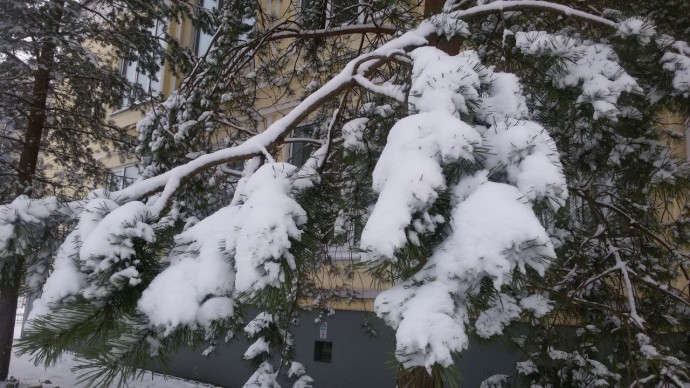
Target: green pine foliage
pixel 614 300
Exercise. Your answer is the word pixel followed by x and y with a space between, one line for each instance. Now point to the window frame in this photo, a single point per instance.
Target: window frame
pixel 198 32
pixel 140 78
pixel 297 133
pixel 117 178
pixel 328 15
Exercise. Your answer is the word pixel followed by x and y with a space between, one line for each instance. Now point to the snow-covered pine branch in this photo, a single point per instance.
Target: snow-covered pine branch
pixel 467 163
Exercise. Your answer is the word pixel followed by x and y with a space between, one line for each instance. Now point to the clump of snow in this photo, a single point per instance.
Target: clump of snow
pixel 449 26
pixel 495 381
pixel 526 154
pixel 237 250
pixel 541 43
pixel 353 133
pixel 308 175
pixel 259 347
pixel 506 309
pixel 260 322
pixel 263 377
pixel 647 350
pixel 443 82
pixel 303 382
pixel 591 67
pixel 504 100
pixel 642 29
pixel 493 231
pixel 71 266
pixel 426 333
pixel 526 367
pixel 118 252
pixel 266 222
pixel 214 309
pixel 64 281
pixel 110 241
pixel 371 108
pixel 538 305
pixel 502 311
pixel 408 175
pixel 590 371
pixel 20 212
pixel 679 64
pixel 296 369
pixel 199 271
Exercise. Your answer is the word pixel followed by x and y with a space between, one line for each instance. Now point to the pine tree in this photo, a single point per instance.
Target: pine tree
pixel 502 164
pixel 56 88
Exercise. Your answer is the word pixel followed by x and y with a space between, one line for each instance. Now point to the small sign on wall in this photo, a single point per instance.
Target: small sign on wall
pixel 323 330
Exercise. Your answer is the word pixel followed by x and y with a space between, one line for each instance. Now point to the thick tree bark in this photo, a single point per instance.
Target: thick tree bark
pixel 9 293
pixel 37 112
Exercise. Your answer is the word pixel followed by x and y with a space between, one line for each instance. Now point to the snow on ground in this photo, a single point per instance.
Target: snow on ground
pixel 29 375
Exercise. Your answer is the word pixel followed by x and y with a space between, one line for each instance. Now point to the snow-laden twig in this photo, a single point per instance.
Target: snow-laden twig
pixel 386 91
pixel 504 6
pixel 662 289
pixel 629 290
pixel 273 135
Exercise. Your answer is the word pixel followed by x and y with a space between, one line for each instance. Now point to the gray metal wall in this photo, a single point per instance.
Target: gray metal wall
pixel 358 359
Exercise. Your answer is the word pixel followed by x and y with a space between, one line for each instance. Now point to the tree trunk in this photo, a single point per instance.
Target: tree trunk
pixel 37 110
pixel 9 293
pixel 8 310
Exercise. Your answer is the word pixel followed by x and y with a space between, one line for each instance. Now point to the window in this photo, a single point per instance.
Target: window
pixel 323 351
pixel 300 151
pixel 130 70
pixel 343 12
pixel 234 179
pixel 202 40
pixel 121 177
pixel 330 13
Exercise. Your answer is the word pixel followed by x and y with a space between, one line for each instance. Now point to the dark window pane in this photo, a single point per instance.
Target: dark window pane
pixel 301 151
pixel 344 12
pixel 120 178
pixel 323 351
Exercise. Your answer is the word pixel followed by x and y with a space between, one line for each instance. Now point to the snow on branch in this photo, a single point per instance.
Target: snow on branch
pixel 504 6
pixel 591 67
pixel 494 231
pixel 274 134
pixel 678 63
pixel 196 288
pixel 364 28
pixel 409 175
pixel 20 212
pixel 464 118
pixel 254 232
